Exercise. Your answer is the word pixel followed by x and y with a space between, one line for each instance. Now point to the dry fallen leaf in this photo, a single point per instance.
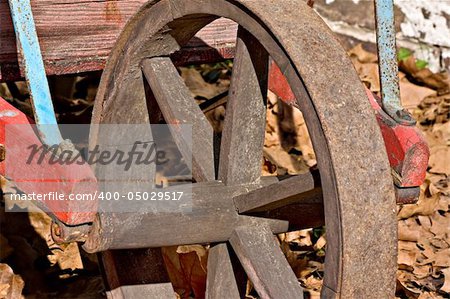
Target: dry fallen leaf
pixel 197 85
pixel 284 161
pixel 439 81
pixel 320 243
pixel 442 258
pixel 186 266
pixel 425 206
pixel 301 237
pixel 313 283
pixel 412 95
pixel 446 287
pixel 421 271
pixel 11 285
pixel 407 232
pixel 440 225
pixel 423 228
pixel 440 160
pixel 362 55
pixel 406 259
pixel 366 66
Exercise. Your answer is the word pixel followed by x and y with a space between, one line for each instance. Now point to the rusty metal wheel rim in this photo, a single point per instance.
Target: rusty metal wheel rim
pixel 326 104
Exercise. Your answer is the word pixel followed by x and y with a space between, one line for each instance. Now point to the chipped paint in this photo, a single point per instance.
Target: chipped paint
pixel 387 60
pixel 8 113
pixel 425 28
pixel 425 21
pixel 446 53
pixel 33 64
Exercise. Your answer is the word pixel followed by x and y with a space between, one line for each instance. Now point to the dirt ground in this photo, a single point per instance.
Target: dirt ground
pixel 32 265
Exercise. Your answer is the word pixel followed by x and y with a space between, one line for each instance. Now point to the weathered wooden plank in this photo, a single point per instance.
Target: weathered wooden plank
pixel 243 131
pixel 297 188
pixel 265 263
pixel 212 218
pixel 179 107
pixel 146 291
pixel 138 271
pixel 221 282
pixel 77 35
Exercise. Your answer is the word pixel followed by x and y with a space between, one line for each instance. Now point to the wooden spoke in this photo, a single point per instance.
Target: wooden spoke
pixel 138 273
pixel 143 291
pixel 221 282
pixel 265 263
pixel 243 132
pixel 358 199
pixel 212 218
pixel 299 188
pixel 178 107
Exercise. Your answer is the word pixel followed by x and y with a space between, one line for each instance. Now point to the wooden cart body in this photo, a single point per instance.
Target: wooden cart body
pixel 77 36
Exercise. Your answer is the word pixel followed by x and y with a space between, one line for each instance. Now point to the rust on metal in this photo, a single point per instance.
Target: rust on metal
pixel 407 195
pixel 333 101
pixel 407 150
pixel 387 57
pixel 62 233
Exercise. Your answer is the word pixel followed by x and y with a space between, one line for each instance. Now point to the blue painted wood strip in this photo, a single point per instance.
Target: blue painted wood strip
pixel 387 57
pixel 28 44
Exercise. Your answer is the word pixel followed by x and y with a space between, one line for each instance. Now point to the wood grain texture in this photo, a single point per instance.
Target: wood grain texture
pixel 265 263
pixel 212 218
pixel 245 120
pixel 179 107
pixel 77 36
pixel 357 187
pixel 290 190
pixel 144 291
pixel 221 282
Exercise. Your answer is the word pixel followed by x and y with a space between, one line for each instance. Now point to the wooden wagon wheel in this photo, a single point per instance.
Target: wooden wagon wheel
pixel 355 183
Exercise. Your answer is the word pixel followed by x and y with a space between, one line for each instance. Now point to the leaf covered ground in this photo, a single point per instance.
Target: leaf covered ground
pixel 32 264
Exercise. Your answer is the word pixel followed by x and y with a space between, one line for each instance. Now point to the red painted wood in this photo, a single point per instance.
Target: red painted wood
pixel 406 147
pixel 42 178
pixel 77 35
pixel 279 85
